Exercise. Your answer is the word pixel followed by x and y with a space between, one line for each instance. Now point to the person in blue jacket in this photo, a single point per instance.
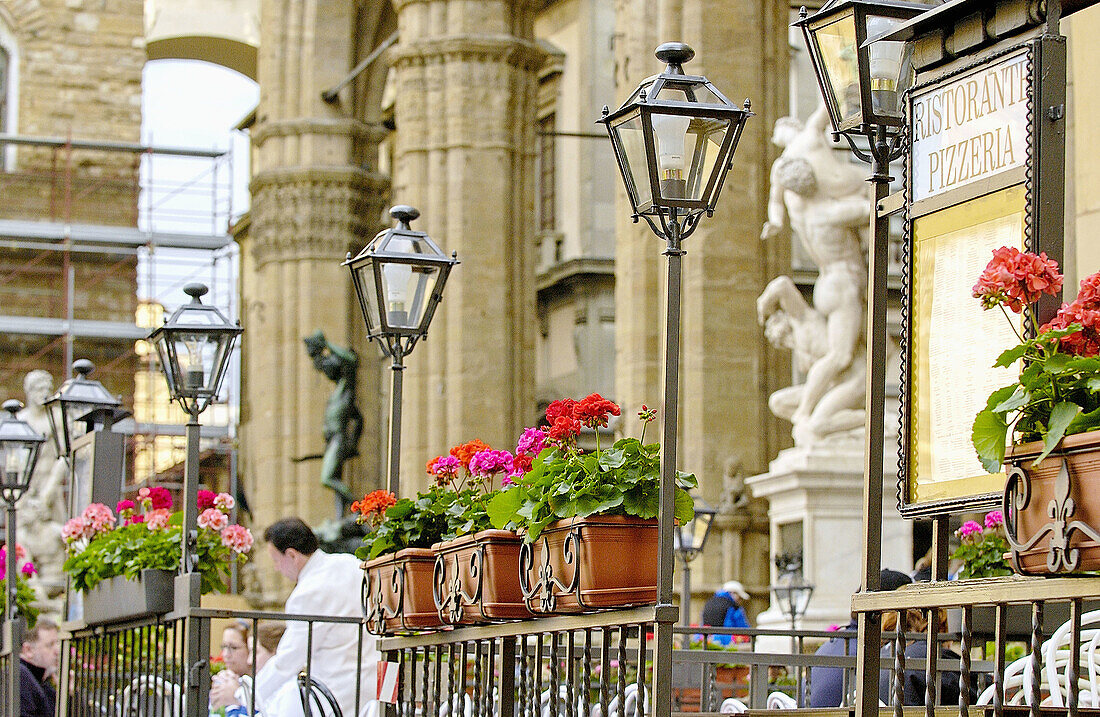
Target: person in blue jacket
pixel 726 609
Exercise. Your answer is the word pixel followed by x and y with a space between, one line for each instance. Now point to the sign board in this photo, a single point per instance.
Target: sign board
pixel 972 185
pixel 971 128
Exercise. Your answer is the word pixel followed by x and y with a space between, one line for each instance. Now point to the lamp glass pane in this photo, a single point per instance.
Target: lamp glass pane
pixel 406 287
pixel 164 355
pixel 886 67
pixel 57 426
pixel 197 354
pixel 704 141
pixel 14 457
pixel 363 276
pixel 695 92
pixel 836 44
pixel 630 142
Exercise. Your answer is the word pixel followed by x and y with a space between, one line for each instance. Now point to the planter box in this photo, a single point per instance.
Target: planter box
pixel 477 578
pixel 593 563
pixel 397 592
pixel 1053 515
pixel 120 599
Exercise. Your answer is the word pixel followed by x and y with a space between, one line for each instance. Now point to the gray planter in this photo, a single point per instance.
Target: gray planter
pixel 119 599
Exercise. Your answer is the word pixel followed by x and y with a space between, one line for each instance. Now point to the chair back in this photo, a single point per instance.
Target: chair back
pixel 317 700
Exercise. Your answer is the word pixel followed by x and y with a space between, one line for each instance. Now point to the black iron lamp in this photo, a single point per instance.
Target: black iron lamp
pixel 793 594
pixel 674 139
pixel 399 278
pixel 194 346
pixel 688 541
pixel 690 537
pixel 75 401
pixel 19 445
pixel 861 79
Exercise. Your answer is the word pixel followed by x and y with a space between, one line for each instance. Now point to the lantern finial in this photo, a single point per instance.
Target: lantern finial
pixel 195 291
pixel 675 54
pixel 404 214
pixel 12 406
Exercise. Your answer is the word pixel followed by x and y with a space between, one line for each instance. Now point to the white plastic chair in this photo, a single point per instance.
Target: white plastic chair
pixel 149 695
pixel 781 701
pixel 732 706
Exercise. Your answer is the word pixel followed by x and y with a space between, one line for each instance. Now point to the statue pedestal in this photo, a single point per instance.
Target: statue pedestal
pixel 821 488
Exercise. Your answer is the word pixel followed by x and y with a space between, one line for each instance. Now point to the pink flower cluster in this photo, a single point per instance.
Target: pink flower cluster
pixel 1014 279
pixel 1084 310
pixel 994 519
pixel 26 568
pixel 487 463
pixel 156 497
pixel 237 538
pixel 94 520
pixel 531 442
pixel 213 519
pixel 968 529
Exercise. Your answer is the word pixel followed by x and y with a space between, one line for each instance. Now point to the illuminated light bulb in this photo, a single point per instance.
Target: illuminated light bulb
pixel 397 290
pixel 14 462
pixel 192 366
pixel 670 131
pixel 885 65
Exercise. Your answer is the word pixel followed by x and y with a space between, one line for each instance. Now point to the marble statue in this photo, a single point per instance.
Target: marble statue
pixel 42 509
pixel 343 423
pixel 828 204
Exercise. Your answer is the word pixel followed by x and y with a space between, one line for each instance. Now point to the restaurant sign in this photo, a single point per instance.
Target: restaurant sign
pixel 971 128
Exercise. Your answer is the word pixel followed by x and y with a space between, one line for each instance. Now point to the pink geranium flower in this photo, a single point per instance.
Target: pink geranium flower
pixel 237 538
pixel 994 519
pixel 224 502
pixel 157 519
pixel 213 519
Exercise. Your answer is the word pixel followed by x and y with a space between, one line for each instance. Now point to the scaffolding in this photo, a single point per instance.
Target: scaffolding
pixel 84 223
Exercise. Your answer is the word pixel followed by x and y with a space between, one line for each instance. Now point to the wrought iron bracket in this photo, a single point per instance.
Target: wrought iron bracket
pixel 451 599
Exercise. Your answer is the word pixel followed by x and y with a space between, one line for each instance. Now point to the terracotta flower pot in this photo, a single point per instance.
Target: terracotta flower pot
pixel 397 592
pixel 477 578
pixel 593 563
pixel 1053 516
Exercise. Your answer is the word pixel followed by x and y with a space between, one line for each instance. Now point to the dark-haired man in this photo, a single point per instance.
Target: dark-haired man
pixel 324 585
pixel 37 667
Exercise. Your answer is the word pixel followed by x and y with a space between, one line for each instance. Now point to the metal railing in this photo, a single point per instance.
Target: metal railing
pixel 138 669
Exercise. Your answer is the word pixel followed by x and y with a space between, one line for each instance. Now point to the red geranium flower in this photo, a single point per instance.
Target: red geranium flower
pixel 564 429
pixel 593 410
pixel 1014 278
pixel 561 407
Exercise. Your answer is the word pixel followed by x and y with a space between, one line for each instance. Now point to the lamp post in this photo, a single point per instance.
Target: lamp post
pixel 688 541
pixel 674 140
pixel 19 444
pixel 399 278
pixel 74 401
pixel 194 346
pixel 862 82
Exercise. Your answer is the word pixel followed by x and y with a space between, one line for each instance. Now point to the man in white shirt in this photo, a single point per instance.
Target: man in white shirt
pixel 324 585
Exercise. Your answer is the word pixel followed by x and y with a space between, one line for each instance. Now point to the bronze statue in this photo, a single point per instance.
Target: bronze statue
pixel 343 423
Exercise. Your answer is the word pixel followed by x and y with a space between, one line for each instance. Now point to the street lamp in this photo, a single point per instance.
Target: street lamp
pixel 793 593
pixel 75 401
pixel 194 346
pixel 688 541
pixel 399 278
pixel 674 140
pixel 19 444
pixel 861 81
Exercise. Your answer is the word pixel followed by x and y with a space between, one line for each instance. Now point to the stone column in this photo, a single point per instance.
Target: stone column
pixel 464 110
pixel 316 195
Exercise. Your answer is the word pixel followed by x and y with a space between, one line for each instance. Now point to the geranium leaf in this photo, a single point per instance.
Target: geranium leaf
pixel 1084 422
pixel 1056 363
pixel 988 435
pixel 642 503
pixel 685 506
pixel 503 506
pixel 686 480
pixel 1011 356
pixel 1000 396
pixel 1018 398
pixel 1060 417
pixel 612 458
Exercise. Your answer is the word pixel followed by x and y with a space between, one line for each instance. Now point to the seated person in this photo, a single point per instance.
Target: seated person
pixel 827 683
pixel 726 609
pixel 913 680
pixel 233 690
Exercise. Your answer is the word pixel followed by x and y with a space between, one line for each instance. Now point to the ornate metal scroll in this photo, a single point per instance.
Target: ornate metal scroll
pixel 373 598
pixel 547 585
pixel 1061 528
pixel 450 598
